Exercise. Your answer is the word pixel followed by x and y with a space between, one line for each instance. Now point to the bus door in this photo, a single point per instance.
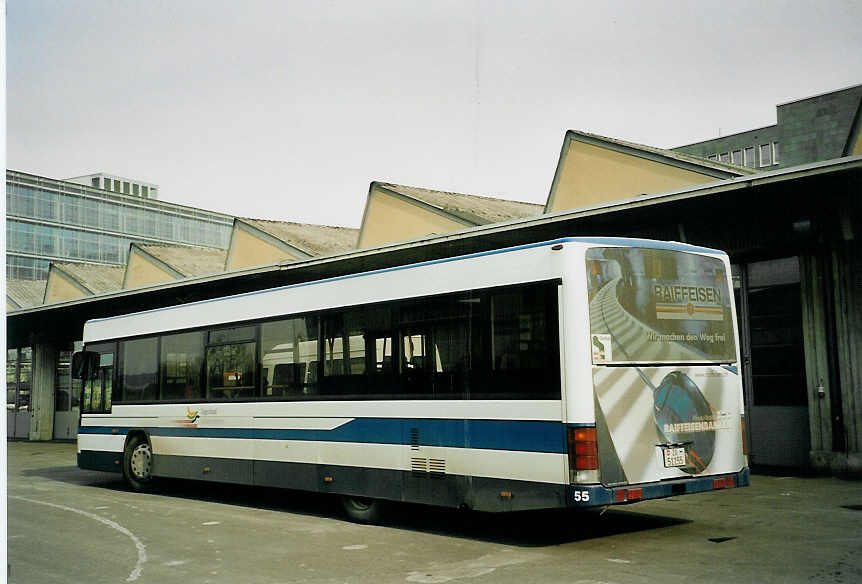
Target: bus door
pixel 97 386
pixel 667 389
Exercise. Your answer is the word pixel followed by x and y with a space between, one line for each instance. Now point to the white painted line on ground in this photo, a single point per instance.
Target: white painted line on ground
pixel 142 549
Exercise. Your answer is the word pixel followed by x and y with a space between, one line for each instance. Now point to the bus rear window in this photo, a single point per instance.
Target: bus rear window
pixel 658 306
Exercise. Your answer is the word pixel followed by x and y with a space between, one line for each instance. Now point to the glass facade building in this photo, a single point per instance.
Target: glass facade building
pixel 55 220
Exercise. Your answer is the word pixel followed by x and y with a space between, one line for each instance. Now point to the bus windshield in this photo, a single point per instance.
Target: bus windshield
pixel 658 306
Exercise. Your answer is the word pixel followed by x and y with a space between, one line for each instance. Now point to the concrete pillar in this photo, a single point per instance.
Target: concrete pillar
pixel 814 329
pixel 42 393
pixel 847 267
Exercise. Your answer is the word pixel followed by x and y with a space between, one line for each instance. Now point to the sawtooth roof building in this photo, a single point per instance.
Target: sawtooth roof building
pixel 397 212
pixel 155 263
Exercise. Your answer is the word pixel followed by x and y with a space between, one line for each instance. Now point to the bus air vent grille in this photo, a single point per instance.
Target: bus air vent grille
pixel 428 467
pixel 414 438
pixel 419 465
pixel 437 466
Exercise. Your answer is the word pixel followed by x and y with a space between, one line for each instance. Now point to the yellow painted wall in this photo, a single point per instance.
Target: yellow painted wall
pixel 59 289
pixel 389 219
pixel 592 175
pixel 248 250
pixel 141 271
pixel 10 306
pixel 857 148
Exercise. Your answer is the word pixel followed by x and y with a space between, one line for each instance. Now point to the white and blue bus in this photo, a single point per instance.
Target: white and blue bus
pixel 577 372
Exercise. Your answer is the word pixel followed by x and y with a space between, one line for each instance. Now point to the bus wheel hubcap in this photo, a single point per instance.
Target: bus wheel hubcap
pixel 360 504
pixel 141 461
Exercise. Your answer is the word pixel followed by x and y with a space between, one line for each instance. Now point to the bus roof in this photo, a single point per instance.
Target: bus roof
pixel 580 241
pixel 637 242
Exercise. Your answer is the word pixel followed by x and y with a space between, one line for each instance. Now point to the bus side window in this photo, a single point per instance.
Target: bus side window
pixel 416 366
pixel 440 346
pixel 350 348
pixel 343 360
pixel 230 371
pixel 180 366
pixel 289 359
pixel 138 370
pixel 379 354
pixel 523 344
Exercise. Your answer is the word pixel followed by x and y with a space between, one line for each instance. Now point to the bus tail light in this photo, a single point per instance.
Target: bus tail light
pixel 624 495
pixel 744 437
pixel 723 483
pixel 583 452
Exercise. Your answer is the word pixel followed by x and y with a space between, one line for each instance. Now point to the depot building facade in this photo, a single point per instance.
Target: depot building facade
pixel 792 234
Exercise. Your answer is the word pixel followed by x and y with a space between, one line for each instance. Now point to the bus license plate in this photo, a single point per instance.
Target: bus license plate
pixel 674 457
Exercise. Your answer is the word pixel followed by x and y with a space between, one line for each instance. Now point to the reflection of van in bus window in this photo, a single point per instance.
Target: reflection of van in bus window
pixel 285 372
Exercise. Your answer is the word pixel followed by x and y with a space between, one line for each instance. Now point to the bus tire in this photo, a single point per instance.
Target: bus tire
pixel 362 509
pixel 138 463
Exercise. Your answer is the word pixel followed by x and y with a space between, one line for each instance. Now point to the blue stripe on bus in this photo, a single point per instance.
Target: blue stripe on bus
pixel 598 241
pixel 519 435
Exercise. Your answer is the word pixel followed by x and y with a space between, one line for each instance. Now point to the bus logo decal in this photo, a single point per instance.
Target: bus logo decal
pixel 191 418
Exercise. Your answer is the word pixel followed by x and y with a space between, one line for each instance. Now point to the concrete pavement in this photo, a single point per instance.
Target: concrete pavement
pixel 68 525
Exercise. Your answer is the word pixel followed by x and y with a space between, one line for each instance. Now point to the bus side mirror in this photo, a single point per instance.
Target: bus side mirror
pixel 83 363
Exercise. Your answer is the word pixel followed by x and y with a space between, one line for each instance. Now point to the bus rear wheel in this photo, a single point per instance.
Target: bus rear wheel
pixel 362 510
pixel 138 464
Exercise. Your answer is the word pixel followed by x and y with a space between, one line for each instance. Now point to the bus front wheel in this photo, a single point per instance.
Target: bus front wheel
pixel 138 464
pixel 362 510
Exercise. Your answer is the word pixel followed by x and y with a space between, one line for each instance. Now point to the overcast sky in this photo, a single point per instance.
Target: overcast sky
pixel 288 110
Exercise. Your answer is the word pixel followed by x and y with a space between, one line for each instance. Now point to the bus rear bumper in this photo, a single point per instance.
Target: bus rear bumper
pixel 598 495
